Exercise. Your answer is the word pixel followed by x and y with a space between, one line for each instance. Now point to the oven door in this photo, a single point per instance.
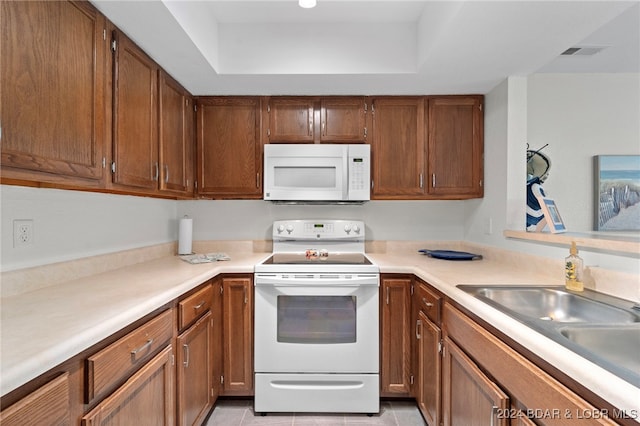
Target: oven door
pixel 316 323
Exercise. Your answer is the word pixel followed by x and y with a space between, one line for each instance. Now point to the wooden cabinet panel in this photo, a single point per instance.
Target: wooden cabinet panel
pixel 135 135
pixel 148 397
pixel 192 307
pixel 216 340
pixel 175 135
pixel 229 149
pixel 110 365
pixel 47 406
pixel 52 90
pixel 469 397
pixel 237 335
pixel 342 120
pixel 428 301
pixel 525 382
pixel 395 356
pixel 291 119
pixel 455 146
pixel 398 147
pixel 428 394
pixel 194 361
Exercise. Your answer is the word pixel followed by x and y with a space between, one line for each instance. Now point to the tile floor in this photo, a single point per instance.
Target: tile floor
pixel 232 412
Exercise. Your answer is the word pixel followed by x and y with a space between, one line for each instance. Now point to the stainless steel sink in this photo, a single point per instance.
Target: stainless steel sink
pixel 601 328
pixel 619 346
pixel 554 304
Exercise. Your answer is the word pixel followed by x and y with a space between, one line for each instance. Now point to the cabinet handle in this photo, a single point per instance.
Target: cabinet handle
pixel 244 291
pixel 157 171
pixel 199 305
pixel 426 303
pixel 166 173
pixel 387 295
pixel 421 180
pixel 310 127
pixel 494 409
pixel 433 180
pixel 134 353
pixel 418 327
pixel 324 128
pixel 185 349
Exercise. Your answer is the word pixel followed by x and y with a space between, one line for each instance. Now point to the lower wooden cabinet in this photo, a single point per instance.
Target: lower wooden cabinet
pixel 237 299
pixel 194 365
pixel 480 370
pixel 48 405
pixel 147 398
pixel 428 369
pixel 469 397
pixel 395 338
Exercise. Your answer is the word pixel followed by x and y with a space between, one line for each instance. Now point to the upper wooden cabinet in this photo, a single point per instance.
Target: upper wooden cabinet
pixel 135 116
pixel 455 147
pixel 52 92
pixel 176 149
pixel 309 119
pixel 427 147
pixel 229 149
pixel 398 147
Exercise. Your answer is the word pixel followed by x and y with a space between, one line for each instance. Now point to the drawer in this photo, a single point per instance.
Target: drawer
pixel 428 302
pixel 192 307
pixel 118 360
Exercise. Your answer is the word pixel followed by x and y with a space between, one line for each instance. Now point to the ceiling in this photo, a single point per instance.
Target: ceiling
pixel 271 47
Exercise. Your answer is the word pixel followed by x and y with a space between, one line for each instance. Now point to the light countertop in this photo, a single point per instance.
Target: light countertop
pixel 42 328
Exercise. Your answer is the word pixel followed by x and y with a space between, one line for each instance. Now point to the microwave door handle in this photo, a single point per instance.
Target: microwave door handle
pixel 345 175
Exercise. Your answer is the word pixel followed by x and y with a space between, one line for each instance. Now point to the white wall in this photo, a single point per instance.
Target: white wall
pixel 508 121
pixel 579 116
pixel 72 224
pixel 385 220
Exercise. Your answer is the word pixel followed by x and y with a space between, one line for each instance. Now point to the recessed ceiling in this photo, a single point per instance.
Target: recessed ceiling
pixel 375 47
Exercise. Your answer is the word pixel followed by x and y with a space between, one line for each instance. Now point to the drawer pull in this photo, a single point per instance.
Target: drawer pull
pixel 427 304
pixel 135 352
pixel 199 305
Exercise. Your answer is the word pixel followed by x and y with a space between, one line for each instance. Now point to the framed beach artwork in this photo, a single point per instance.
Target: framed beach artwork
pixel 617 193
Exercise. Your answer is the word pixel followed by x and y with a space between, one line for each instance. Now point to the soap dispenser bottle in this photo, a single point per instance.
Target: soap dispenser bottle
pixel 573 268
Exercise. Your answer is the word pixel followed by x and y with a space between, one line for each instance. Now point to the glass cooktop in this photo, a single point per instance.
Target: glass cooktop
pixel 317 257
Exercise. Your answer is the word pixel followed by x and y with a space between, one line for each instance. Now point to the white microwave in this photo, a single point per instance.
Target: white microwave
pixel 317 172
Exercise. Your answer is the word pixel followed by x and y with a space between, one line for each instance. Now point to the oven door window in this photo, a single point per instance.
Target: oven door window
pixel 317 319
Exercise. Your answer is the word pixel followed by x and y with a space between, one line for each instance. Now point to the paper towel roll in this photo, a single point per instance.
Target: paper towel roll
pixel 185 235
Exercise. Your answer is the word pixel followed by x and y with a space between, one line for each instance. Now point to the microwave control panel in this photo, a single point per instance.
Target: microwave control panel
pixel 359 171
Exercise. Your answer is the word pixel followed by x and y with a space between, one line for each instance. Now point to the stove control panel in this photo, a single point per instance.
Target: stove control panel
pixel 318 229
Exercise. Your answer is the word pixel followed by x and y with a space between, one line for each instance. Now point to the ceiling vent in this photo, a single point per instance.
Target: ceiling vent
pixel 582 51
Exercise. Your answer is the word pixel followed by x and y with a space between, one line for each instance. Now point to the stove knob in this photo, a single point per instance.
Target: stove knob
pixel 289 228
pixel 347 228
pixel 280 229
pixel 356 229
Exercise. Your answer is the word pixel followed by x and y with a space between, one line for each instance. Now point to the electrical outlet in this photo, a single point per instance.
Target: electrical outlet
pixel 22 232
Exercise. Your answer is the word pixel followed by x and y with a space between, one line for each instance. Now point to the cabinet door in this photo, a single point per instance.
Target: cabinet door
pixel 237 298
pixel 194 372
pixel 398 148
pixel 229 150
pixel 49 405
pixel 455 146
pixel 176 110
pixel 216 340
pixel 395 369
pixel 291 119
pixel 52 90
pixel 468 396
pixel 135 119
pixel 147 398
pixel 342 119
pixel 428 337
